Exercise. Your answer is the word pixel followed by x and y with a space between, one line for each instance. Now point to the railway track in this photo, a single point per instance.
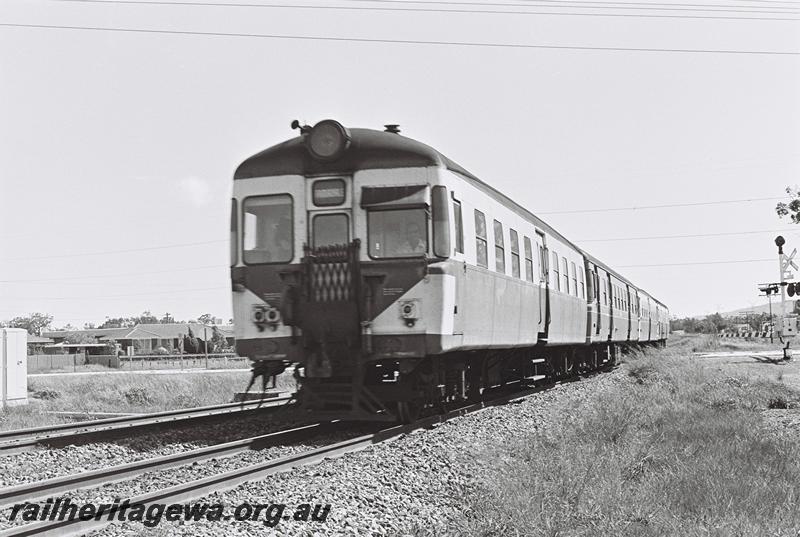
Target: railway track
pixel 95 478
pixel 64 434
pixel 199 488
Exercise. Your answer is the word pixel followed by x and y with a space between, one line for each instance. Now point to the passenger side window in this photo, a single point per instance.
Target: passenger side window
pixel 499 248
pixel 574 278
pixel 542 263
pixel 528 260
pixel 580 282
pixel 514 253
pixel 565 275
pixel 482 256
pixel 605 293
pixel 459 226
pixel 593 293
pixel 556 279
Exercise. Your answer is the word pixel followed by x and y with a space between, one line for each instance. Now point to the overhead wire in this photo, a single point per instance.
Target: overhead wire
pixel 128 295
pixel 659 237
pixel 688 263
pixel 115 275
pixel 571 5
pixel 437 10
pixel 400 41
pixel 535 3
pixel 663 206
pixel 110 252
pixel 653 5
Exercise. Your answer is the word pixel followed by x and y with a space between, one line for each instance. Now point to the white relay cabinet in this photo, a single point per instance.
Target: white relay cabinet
pixel 13 367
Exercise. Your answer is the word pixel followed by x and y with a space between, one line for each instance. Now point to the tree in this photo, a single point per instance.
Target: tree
pixel 167 319
pixel 34 323
pixel 117 322
pixel 206 318
pixel 127 322
pixel 88 326
pixel 792 208
pixel 77 337
pixel 145 318
pixel 717 322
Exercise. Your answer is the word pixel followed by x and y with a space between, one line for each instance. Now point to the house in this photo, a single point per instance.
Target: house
pixel 36 343
pixel 146 338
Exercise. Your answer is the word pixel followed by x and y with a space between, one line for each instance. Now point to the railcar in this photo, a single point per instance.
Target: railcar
pixel 393 280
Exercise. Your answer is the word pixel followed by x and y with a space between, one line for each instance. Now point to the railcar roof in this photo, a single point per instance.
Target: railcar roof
pixel 374 149
pixel 369 149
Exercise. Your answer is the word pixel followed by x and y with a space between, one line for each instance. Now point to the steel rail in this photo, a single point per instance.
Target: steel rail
pixel 63 434
pixel 28 492
pixel 196 489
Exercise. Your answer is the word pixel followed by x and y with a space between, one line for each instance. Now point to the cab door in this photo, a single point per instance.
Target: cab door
pixel 330 211
pixel 460 272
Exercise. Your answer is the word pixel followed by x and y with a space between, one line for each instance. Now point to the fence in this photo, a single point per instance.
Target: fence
pixel 751 334
pixel 183 361
pixel 43 362
pixel 38 362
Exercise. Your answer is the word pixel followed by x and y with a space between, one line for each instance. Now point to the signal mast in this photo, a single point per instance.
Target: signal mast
pixel 787 329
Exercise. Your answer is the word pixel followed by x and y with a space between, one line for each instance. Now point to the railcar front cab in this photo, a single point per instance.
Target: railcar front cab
pixel 341 273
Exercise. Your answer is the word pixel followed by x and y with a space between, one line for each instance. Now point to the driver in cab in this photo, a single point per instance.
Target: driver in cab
pixel 413 242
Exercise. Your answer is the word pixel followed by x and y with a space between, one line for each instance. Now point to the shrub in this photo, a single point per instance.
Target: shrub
pixel 47 394
pixel 138 396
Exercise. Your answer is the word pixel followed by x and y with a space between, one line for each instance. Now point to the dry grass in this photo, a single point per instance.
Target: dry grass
pixel 672 449
pixel 126 393
pixel 26 417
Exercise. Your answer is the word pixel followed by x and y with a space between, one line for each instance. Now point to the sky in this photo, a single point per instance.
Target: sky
pixel 117 149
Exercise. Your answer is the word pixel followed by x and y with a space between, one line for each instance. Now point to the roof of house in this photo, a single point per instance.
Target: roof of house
pixel 33 338
pixel 159 331
pixel 226 330
pixel 92 332
pixel 140 331
pixel 64 344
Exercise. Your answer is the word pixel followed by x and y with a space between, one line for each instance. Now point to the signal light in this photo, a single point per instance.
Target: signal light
pixel 790 289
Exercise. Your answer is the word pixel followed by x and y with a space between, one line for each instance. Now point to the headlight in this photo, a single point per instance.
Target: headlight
pixel 259 314
pixel 263 315
pixel 328 140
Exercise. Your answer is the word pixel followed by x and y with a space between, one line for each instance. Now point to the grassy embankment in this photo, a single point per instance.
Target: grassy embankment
pixel 710 343
pixel 132 393
pixel 671 448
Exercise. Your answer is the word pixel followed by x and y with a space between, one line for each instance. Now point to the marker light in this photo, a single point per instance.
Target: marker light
pixel 328 140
